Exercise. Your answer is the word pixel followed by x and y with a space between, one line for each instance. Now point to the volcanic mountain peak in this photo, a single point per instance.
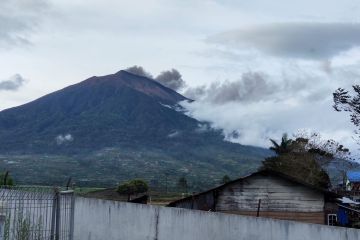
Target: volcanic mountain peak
pixel 141 84
pixel 106 111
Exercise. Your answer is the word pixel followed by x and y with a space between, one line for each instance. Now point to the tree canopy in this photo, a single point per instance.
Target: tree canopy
pixel 345 101
pixel 304 158
pixel 132 187
pixel 283 147
pixel 225 179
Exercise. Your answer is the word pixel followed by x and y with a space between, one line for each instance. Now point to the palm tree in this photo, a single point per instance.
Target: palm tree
pixel 283 147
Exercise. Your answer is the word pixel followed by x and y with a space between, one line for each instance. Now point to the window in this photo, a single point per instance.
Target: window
pixel 332 219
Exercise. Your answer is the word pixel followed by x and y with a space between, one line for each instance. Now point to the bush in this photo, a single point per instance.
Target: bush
pixel 9 180
pixel 132 187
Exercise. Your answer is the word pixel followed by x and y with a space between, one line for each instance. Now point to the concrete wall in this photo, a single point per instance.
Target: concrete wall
pixel 107 220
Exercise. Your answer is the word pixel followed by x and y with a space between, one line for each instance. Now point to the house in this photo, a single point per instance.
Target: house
pixel 267 194
pixel 353 181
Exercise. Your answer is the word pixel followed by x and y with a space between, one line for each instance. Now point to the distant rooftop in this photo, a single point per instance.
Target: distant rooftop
pixel 353 176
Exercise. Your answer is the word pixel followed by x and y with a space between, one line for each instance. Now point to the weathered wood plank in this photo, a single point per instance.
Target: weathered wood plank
pixel 275 193
pixel 316 217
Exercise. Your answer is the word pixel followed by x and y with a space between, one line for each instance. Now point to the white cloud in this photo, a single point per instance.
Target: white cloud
pixel 62 139
pixel 256 123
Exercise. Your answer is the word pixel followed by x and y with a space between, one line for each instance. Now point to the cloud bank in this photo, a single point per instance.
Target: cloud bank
pixel 17 19
pixel 254 87
pixel 259 105
pixel 13 83
pixel 317 41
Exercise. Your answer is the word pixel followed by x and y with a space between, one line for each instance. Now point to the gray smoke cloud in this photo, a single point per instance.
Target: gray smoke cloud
pixel 13 83
pixel 18 18
pixel 171 79
pixel 294 40
pixel 140 71
pixel 250 87
pixel 254 87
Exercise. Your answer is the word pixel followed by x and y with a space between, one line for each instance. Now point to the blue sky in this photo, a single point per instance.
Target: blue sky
pixel 258 67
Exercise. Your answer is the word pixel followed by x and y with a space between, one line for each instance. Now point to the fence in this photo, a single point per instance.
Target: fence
pixel 36 213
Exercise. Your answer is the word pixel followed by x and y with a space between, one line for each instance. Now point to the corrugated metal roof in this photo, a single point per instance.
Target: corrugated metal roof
pixel 353 176
pixel 349 208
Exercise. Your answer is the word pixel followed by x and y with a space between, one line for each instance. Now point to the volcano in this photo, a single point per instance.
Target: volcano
pixel 121 116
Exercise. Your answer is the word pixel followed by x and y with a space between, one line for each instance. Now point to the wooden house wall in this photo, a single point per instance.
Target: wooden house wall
pixel 200 202
pixel 280 199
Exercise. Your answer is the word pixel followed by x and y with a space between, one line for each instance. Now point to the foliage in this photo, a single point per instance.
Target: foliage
pixel 328 148
pixel 301 166
pixel 7 227
pixel 39 229
pixel 305 158
pixel 329 153
pixel 283 147
pixel 9 180
pixel 344 101
pixel 23 227
pixel 225 179
pixel 132 187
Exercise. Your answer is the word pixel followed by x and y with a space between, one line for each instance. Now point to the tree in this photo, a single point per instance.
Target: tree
pixel 225 179
pixel 305 158
pixel 132 187
pixel 183 184
pixel 344 101
pixel 283 147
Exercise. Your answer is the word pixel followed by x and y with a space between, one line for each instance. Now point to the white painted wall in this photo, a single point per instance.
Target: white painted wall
pixel 107 220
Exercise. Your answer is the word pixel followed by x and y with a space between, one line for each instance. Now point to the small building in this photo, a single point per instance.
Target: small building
pixel 353 181
pixel 267 194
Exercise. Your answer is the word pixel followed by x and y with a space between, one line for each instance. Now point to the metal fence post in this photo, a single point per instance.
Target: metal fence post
pixel 58 216
pixel 54 213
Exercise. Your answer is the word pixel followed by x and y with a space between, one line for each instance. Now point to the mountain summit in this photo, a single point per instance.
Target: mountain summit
pixel 147 86
pixel 120 120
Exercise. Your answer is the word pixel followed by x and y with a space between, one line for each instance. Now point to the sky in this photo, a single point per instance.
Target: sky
pixel 256 68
